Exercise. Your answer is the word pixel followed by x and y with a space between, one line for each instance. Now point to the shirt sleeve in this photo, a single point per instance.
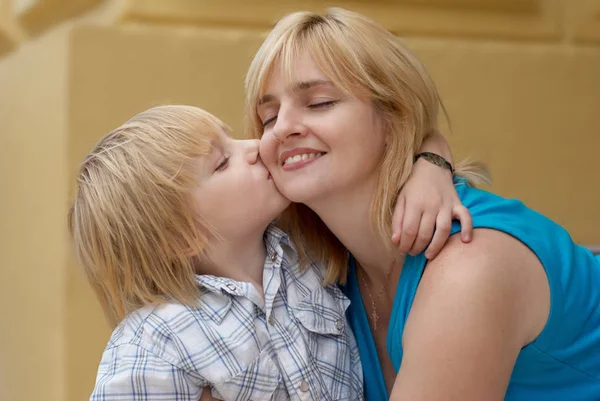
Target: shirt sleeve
pixel 131 372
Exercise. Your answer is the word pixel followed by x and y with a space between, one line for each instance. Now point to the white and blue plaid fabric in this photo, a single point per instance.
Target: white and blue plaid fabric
pixel 294 345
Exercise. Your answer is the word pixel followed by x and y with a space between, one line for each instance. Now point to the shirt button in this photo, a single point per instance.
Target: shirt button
pixel 339 324
pixel 304 386
pixel 272 320
pixel 273 257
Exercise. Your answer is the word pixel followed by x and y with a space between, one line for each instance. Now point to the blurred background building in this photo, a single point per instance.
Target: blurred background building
pixel 520 78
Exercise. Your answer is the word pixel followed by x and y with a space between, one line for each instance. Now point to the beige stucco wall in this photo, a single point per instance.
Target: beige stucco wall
pixel 521 80
pixel 33 182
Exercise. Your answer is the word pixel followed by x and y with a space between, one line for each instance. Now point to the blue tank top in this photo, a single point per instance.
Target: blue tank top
pixel 563 363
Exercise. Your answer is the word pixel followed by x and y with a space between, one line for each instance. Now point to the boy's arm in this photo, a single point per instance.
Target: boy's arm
pixel 436 143
pixel 428 203
pixel 131 372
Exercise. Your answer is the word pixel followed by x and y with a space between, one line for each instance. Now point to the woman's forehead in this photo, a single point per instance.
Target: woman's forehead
pixel 299 75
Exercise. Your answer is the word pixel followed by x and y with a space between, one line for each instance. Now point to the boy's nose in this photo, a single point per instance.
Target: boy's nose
pixel 252 150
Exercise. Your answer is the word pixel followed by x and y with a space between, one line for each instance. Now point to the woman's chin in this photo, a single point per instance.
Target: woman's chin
pixel 301 189
pixel 302 197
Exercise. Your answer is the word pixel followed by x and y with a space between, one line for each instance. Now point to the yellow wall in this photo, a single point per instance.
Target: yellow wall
pixel 33 182
pixel 521 80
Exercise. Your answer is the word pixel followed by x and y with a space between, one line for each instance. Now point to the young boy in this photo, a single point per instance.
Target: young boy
pixel 172 222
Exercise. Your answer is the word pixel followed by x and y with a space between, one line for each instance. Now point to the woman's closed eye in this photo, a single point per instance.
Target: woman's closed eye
pixel 322 105
pixel 268 121
pixel 312 106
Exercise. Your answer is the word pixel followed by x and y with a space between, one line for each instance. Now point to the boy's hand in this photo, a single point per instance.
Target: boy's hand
pixel 425 209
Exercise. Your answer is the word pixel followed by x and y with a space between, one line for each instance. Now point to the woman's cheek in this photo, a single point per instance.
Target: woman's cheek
pixel 268 151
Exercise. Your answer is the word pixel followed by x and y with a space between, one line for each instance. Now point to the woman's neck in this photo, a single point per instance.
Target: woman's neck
pixel 347 215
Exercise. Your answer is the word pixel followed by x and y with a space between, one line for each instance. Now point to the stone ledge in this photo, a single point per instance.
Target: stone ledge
pixel 10 34
pixel 516 19
pixel 36 16
pixel 8 40
pixel 511 6
pixel 585 21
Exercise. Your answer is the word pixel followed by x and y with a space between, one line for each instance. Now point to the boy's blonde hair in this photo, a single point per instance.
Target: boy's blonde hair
pixel 132 220
pixel 365 60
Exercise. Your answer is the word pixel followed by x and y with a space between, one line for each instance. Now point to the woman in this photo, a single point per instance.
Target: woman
pixel 513 315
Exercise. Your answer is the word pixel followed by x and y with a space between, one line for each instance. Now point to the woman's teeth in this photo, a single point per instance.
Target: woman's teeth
pixel 302 157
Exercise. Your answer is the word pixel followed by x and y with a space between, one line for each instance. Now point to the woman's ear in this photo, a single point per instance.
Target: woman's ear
pixel 381 123
pixel 386 126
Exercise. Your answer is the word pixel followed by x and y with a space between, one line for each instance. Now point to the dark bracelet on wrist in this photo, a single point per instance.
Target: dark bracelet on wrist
pixel 435 159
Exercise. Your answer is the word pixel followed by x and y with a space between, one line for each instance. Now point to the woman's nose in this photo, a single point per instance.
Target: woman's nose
pixel 288 123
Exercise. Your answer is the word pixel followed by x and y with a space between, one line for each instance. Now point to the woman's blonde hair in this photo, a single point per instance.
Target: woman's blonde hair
pixel 365 60
pixel 132 220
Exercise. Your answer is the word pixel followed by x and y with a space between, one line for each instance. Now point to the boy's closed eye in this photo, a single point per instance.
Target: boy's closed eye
pixel 223 162
pixel 219 158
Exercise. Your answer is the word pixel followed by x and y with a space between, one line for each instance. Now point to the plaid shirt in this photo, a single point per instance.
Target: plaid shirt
pixel 294 345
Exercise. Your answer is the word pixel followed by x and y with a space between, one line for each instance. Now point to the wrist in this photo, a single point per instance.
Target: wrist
pixel 434 158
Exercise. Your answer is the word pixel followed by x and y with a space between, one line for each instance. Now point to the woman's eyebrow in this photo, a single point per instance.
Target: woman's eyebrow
pixel 297 87
pixel 305 85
